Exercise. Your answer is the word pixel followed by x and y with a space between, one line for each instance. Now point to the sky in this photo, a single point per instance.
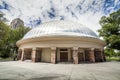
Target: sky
pixel 35 12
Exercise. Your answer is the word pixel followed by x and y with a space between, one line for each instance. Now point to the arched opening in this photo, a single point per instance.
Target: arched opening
pixel 27 54
pixel 87 55
pixel 64 55
pixel 81 55
pixel 38 55
pixel 98 56
pixel 19 54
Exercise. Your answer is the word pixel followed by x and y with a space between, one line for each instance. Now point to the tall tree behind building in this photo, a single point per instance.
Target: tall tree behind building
pixel 110 30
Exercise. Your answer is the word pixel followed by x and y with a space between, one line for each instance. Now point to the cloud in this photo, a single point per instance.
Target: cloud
pixel 33 13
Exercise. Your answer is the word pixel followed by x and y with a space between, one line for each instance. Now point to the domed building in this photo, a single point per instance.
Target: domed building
pixel 61 41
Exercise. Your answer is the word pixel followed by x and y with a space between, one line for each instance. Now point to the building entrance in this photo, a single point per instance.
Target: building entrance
pixel 63 55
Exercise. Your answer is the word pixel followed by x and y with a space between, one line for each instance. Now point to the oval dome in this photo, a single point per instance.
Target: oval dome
pixel 60 28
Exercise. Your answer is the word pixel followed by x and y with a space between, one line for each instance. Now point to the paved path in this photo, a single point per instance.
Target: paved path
pixel 16 70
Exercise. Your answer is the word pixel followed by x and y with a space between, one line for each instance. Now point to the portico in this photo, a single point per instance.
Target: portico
pixel 55 55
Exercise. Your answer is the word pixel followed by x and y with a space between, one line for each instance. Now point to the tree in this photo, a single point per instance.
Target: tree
pixel 4 34
pixel 17 34
pixel 110 30
pixel 2 18
pixel 109 52
pixel 3 27
pixel 9 37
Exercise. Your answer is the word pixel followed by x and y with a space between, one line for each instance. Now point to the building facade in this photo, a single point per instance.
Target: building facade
pixel 61 41
pixel 16 23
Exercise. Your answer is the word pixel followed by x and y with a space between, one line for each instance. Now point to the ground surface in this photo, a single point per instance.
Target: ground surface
pixel 17 70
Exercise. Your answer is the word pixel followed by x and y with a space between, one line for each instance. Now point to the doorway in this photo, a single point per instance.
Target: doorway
pixel 63 55
pixel 80 56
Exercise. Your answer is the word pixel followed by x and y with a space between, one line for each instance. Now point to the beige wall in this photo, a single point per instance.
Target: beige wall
pixel 81 50
pixel 69 55
pixel 46 55
pixel 81 42
pixel 61 44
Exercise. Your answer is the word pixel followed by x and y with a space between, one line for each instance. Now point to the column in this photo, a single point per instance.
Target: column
pixel 22 56
pixel 19 54
pixel 91 56
pixel 75 55
pixel 33 55
pixel 53 55
pixel 102 57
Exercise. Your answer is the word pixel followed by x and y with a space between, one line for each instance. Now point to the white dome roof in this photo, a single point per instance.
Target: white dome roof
pixel 60 28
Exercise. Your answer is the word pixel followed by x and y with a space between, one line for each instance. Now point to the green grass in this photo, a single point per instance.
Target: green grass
pixel 113 58
pixel 5 59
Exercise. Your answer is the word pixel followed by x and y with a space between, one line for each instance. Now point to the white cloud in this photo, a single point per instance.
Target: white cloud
pixel 27 10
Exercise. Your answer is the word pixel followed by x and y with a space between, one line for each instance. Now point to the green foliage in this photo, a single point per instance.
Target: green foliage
pixel 17 34
pixel 9 37
pixel 2 18
pixel 113 58
pixel 112 55
pixel 109 52
pixel 111 30
pixel 4 34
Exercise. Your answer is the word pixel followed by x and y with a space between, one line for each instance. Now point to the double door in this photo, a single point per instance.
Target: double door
pixel 63 55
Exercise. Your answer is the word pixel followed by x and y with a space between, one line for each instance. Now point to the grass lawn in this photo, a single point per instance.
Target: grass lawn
pixel 6 59
pixel 113 58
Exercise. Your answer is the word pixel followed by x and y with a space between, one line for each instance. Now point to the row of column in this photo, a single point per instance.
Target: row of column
pixel 33 55
pixel 91 55
pixel 22 55
pixel 53 55
pixel 75 55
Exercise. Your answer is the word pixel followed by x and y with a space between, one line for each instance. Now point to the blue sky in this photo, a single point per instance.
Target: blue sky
pixel 35 12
